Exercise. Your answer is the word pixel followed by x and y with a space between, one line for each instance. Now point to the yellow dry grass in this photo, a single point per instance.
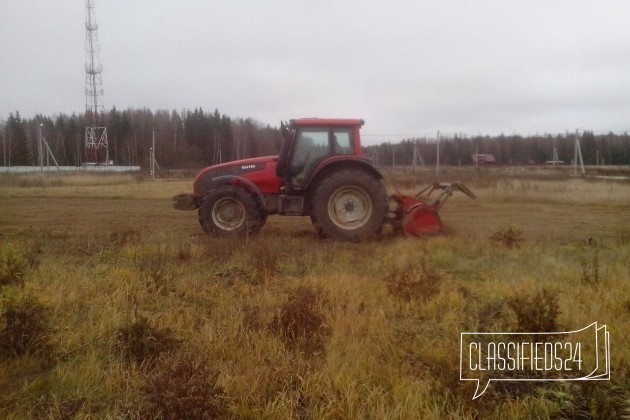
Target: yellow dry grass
pixel 104 252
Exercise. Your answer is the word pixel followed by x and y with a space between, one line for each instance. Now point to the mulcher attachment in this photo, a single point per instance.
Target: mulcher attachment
pixel 418 215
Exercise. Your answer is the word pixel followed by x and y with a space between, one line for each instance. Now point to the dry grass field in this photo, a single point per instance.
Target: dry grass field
pixel 114 305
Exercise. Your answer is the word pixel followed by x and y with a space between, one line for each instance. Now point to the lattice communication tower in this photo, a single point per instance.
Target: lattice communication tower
pixel 96 146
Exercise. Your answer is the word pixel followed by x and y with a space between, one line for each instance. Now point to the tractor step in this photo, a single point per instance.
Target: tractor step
pixel 291 205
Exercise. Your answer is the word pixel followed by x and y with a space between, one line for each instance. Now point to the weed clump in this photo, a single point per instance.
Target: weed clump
pixel 536 313
pixel 182 389
pixel 24 327
pixel 590 267
pixel 158 279
pixel 12 266
pixel 124 237
pixel 252 317
pixel 264 260
pixel 221 250
pixel 413 283
pixel 229 275
pixel 52 406
pixel 587 400
pixel 491 316
pixel 141 343
pixel 155 271
pixel 185 252
pixel 300 324
pixel 509 237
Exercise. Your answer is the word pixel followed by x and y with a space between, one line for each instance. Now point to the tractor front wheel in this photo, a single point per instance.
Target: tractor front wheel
pixel 349 205
pixel 230 210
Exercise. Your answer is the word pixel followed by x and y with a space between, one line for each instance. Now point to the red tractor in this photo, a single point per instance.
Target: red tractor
pixel 321 173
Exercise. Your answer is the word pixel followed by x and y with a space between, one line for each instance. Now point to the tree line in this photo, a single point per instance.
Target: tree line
pixel 185 139
pixel 196 138
pixel 603 149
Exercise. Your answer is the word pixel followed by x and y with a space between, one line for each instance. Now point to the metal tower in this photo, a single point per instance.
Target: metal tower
pixel 96 147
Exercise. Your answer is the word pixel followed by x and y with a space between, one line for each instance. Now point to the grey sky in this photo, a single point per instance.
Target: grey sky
pixel 406 67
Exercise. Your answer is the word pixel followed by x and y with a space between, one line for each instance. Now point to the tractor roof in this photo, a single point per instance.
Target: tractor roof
pixel 327 122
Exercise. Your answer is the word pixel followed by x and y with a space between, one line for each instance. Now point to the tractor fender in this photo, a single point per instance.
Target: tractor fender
pixel 240 182
pixel 341 162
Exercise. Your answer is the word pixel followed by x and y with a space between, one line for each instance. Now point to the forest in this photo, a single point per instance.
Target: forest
pixel 607 149
pixel 197 138
pixel 186 139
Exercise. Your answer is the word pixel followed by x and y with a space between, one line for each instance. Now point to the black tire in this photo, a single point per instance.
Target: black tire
pixel 349 205
pixel 229 210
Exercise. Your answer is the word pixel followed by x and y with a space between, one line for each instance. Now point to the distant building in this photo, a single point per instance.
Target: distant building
pixel 484 159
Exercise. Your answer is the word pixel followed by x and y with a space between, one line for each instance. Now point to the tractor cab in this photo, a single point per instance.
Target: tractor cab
pixel 309 142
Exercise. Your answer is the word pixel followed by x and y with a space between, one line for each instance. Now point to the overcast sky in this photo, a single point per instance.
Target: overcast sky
pixel 406 67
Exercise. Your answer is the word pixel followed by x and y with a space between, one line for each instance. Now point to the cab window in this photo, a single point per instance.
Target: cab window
pixel 341 142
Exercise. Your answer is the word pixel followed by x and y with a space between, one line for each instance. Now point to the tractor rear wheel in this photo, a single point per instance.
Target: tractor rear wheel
pixel 349 205
pixel 230 210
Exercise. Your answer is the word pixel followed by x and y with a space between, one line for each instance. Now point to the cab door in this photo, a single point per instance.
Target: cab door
pixel 312 147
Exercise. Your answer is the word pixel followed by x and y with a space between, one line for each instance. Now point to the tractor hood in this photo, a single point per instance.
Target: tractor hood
pixel 261 171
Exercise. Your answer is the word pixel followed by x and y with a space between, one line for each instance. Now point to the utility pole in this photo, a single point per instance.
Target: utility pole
pixel 413 160
pixel 153 165
pixel 49 154
pixel 393 157
pixel 40 149
pixel 417 158
pixel 476 154
pixel 578 153
pixel 152 155
pixel 174 139
pixel 437 159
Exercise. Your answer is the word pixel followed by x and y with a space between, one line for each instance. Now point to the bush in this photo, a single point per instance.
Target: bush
pixel 12 266
pixel 140 342
pixel 536 313
pixel 509 237
pixel 24 327
pixel 413 283
pixel 182 389
pixel 301 326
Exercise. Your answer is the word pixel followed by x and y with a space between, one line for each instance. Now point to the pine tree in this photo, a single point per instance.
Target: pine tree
pixel 20 151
